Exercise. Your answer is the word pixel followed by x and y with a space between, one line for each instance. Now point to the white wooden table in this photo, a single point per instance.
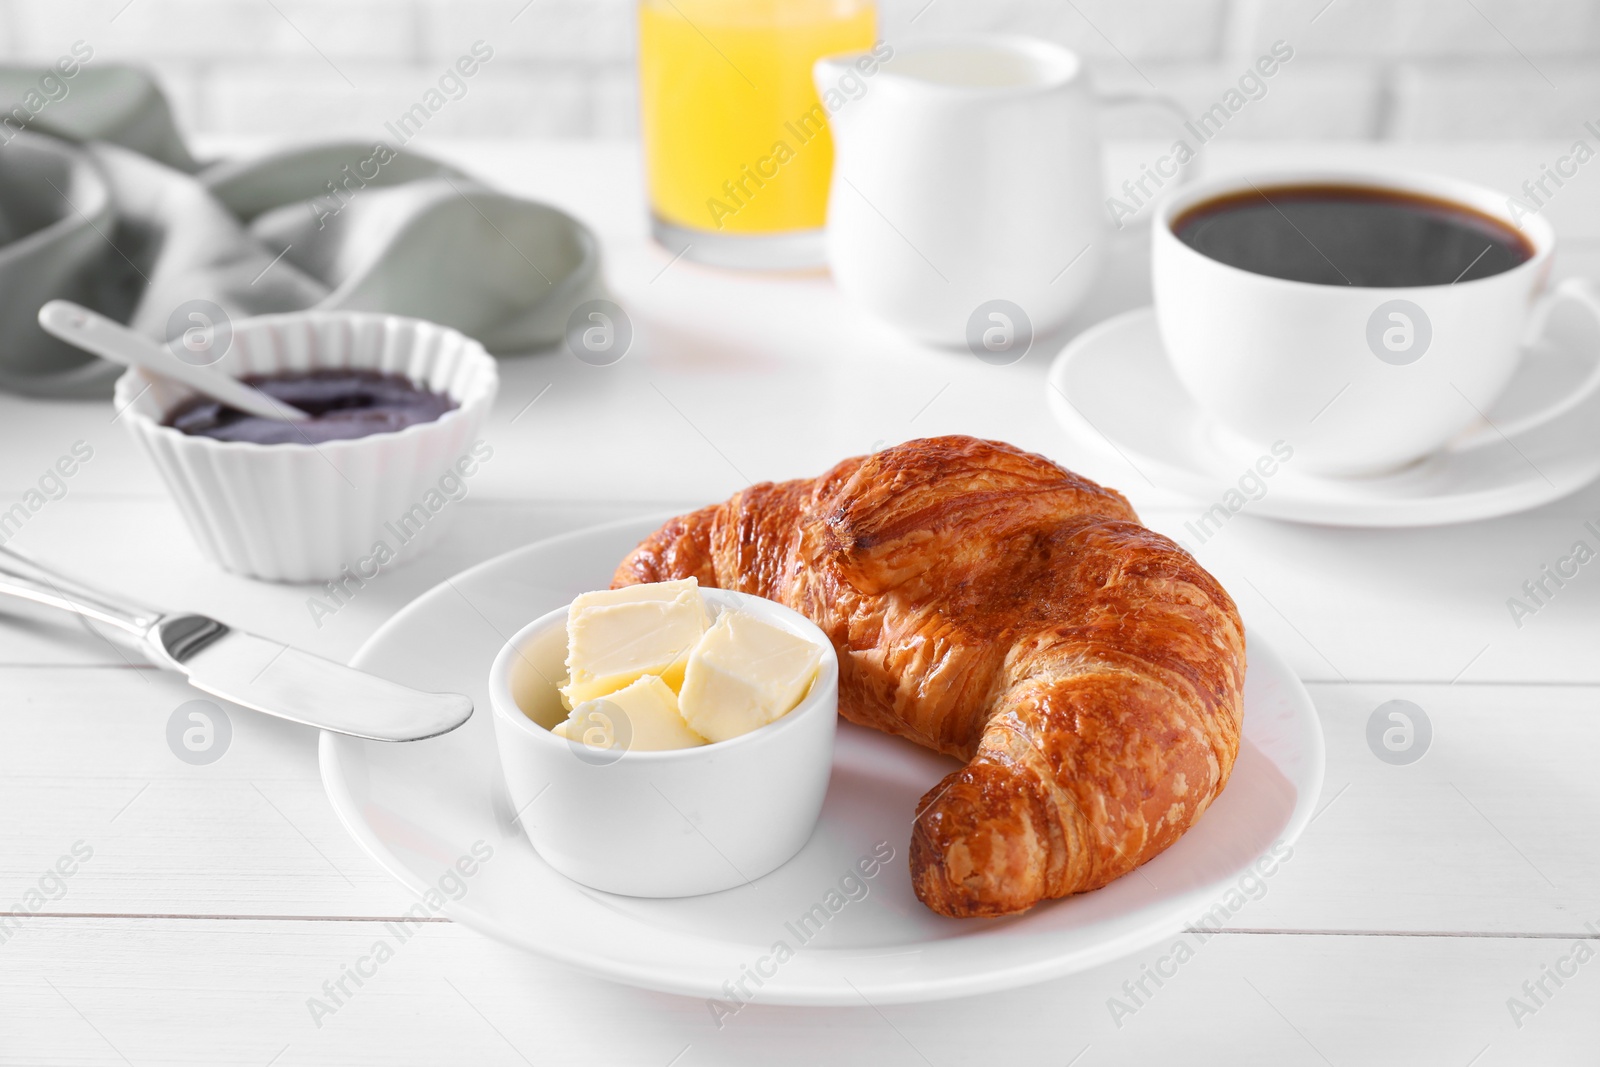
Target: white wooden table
pixel 219 898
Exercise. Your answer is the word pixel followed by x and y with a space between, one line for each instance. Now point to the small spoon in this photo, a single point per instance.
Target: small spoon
pixel 93 332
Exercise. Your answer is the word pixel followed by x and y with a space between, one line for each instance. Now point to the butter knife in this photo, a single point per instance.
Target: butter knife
pixel 267 676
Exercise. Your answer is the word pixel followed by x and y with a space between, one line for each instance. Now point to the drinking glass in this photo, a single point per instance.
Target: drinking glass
pixel 737 150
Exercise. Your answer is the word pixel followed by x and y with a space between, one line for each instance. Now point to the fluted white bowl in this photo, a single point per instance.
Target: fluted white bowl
pixel 302 512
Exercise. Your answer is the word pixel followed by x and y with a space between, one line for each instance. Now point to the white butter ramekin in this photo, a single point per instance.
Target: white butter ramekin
pixel 671 823
pixel 301 512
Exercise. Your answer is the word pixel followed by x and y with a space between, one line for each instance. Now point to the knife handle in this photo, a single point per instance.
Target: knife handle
pixel 22 577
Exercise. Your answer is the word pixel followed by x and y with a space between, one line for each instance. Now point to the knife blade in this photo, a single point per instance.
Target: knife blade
pixel 258 673
pixel 275 678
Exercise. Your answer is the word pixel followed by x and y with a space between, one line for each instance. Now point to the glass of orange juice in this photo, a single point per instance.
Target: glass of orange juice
pixel 737 150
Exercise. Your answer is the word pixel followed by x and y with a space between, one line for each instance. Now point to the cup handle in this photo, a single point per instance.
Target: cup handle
pixel 1585 294
pixel 1159 101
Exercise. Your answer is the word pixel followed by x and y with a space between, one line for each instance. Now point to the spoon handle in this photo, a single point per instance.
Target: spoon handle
pixel 93 332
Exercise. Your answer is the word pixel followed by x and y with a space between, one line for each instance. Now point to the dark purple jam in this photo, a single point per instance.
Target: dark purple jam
pixel 342 404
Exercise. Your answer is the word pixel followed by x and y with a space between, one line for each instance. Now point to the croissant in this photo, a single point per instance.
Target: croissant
pixel 993 606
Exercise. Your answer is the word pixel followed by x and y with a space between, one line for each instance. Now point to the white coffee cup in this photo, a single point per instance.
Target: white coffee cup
pixel 967 198
pixel 1358 380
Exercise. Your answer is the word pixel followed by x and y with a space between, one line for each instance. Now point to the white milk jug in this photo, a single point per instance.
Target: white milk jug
pixel 967 185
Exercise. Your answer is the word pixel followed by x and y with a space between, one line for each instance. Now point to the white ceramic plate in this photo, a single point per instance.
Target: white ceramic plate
pixel 417 808
pixel 1113 390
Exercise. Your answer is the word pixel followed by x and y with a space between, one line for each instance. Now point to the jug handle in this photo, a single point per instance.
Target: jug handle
pixel 1186 170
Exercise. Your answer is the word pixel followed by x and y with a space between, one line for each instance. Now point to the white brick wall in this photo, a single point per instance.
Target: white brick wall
pixel 1400 69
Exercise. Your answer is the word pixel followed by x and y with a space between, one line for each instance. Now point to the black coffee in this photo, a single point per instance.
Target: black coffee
pixel 1351 235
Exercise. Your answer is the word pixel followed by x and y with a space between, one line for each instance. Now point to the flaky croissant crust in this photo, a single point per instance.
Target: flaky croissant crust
pixel 991 605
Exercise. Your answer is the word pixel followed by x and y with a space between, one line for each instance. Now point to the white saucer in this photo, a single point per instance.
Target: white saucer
pixel 1112 389
pixel 417 808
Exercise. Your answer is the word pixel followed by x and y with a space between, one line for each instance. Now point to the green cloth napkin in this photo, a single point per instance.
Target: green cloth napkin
pixel 101 202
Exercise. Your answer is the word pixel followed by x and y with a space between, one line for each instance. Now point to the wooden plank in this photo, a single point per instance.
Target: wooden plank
pixel 1475 837
pixel 1357 605
pixel 207 992
pixel 250 834
pixel 1420 605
